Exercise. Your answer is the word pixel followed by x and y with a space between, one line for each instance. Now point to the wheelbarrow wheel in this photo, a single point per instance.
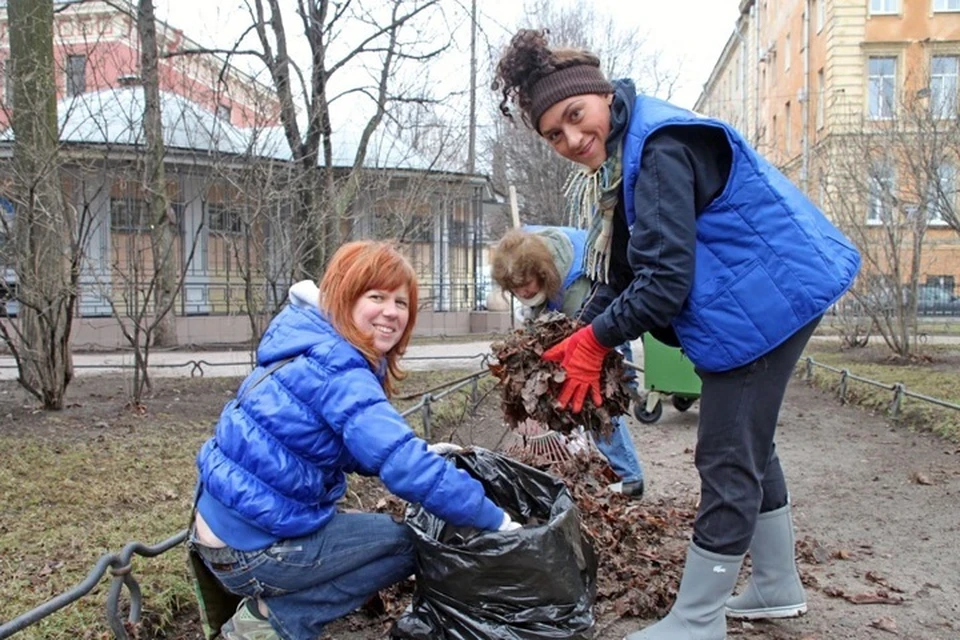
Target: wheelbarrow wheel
pixel 681 403
pixel 647 417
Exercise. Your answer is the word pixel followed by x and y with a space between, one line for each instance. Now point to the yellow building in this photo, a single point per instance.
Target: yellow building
pixel 857 101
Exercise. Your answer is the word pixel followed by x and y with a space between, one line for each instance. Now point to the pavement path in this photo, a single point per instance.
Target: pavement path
pixel 420 357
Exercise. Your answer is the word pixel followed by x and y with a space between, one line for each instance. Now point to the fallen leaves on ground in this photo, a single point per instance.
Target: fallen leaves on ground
pixel 881 596
pixel 885 623
pixel 641 545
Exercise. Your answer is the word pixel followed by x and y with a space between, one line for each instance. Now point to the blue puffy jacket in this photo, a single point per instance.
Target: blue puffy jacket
pixel 277 464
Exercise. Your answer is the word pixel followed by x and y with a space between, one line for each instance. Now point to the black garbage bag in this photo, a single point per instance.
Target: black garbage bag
pixel 535 583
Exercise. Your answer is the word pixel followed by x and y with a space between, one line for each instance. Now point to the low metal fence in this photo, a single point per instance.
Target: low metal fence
pixel 118 565
pixel 898 389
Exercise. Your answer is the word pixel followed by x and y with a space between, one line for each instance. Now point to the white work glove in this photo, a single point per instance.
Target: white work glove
pixel 443 448
pixel 509 524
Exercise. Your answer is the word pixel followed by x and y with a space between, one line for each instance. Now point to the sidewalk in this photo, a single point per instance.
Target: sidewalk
pixel 422 357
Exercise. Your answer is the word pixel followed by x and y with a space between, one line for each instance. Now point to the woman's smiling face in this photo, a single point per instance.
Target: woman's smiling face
pixel 577 128
pixel 383 315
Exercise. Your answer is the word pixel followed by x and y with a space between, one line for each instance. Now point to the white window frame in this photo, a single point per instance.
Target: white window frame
pixel 75 79
pixel 944 6
pixel 787 126
pixel 944 89
pixel 884 7
pixel 947 177
pixel 882 187
pixel 786 53
pixel 820 117
pixel 821 15
pixel 884 110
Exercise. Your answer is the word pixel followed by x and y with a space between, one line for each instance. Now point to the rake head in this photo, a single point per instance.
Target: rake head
pixel 533 439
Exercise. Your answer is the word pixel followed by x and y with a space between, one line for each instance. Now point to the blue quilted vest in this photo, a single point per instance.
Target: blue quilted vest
pixel 767 260
pixel 578 237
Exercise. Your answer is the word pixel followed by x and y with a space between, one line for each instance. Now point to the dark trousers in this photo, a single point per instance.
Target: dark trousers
pixel 740 473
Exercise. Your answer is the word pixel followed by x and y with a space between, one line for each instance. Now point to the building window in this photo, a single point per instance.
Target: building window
pixel 786 53
pixel 942 282
pixel 6 228
pixel 821 99
pixel 459 232
pixel 76 75
pixel 880 7
pixel 881 78
pixel 224 219
pixel 223 112
pixel 882 183
pixel 946 5
pixel 787 125
pixel 943 86
pixel 773 134
pixel 419 229
pixel 821 14
pixel 943 196
pixel 128 214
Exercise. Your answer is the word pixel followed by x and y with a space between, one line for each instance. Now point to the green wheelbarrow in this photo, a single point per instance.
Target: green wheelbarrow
pixel 666 373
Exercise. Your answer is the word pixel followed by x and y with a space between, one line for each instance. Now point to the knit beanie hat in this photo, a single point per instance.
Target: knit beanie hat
pixel 563 83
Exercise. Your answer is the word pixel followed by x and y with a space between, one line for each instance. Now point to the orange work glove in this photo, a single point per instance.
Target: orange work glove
pixel 581 356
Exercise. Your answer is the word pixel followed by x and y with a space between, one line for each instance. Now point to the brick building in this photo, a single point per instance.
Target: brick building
pixel 847 96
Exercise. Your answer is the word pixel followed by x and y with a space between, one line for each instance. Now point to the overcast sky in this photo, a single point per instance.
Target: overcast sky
pixel 690 33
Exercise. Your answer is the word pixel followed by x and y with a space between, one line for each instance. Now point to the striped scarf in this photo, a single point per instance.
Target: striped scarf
pixel 591 198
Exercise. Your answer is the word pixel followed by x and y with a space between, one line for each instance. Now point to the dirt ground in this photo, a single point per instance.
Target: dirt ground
pixel 876 505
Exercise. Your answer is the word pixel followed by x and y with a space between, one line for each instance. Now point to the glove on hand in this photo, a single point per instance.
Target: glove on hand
pixel 443 448
pixel 581 356
pixel 509 524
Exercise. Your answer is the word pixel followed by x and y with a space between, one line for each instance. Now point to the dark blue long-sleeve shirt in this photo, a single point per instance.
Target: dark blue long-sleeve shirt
pixel 682 170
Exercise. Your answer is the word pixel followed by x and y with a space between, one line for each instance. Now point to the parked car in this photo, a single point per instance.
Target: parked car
pixel 933 300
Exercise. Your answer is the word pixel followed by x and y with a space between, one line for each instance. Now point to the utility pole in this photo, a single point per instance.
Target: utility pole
pixel 472 145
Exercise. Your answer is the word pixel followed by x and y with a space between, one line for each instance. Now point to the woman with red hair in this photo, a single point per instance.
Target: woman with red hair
pixel 315 409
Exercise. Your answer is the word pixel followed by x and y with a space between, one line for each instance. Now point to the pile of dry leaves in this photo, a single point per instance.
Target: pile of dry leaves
pixel 641 546
pixel 530 385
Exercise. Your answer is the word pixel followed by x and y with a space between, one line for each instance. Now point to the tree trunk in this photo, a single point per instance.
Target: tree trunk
pixel 163 221
pixel 42 224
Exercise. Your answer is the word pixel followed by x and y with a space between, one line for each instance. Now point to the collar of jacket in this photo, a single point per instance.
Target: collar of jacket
pixel 624 95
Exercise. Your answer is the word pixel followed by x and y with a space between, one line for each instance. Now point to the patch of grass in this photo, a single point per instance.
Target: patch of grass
pixel 929 325
pixel 66 504
pixel 449 410
pixel 458 338
pixel 937 379
pixel 77 491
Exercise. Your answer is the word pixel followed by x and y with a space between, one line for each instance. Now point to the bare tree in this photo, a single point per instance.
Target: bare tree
pixel 388 33
pixel 892 187
pixel 40 339
pixel 163 224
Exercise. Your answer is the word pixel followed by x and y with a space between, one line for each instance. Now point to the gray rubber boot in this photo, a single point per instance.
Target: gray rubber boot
pixel 774 590
pixel 708 579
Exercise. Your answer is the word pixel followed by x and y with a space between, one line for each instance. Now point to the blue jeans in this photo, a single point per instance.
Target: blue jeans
pixel 310 581
pixel 620 452
pixel 627 351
